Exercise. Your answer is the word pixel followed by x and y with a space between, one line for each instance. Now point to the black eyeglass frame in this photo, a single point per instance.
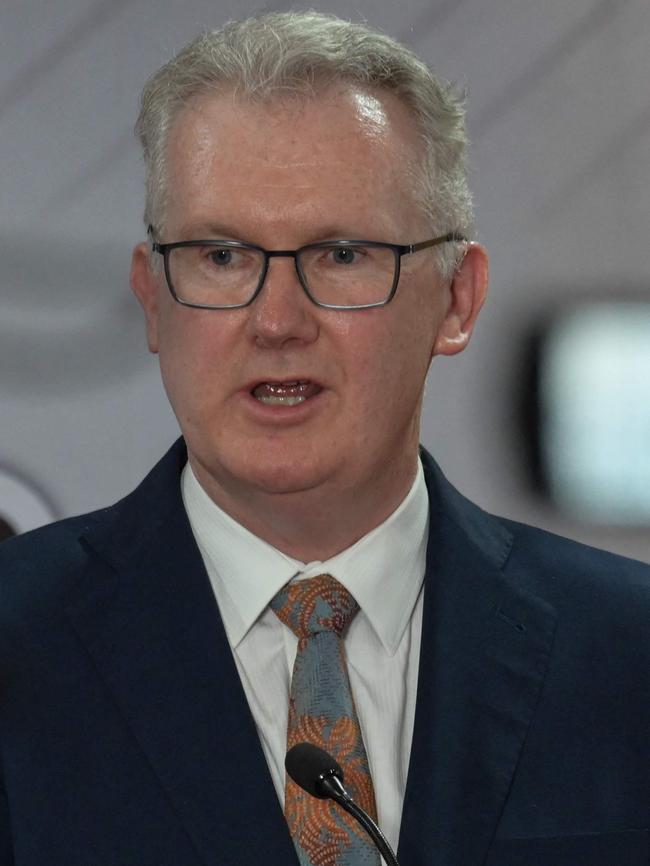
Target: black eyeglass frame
pixel 398 250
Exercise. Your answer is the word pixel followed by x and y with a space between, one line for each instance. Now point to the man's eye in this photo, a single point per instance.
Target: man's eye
pixel 346 255
pixel 223 256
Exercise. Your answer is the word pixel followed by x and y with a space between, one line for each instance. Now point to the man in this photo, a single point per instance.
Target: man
pixel 309 255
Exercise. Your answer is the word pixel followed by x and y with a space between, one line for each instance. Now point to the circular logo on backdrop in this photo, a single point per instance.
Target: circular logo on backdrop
pixel 22 505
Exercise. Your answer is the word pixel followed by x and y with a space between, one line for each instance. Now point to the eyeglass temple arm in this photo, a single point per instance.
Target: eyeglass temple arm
pixel 406 249
pixel 448 238
pixel 151 231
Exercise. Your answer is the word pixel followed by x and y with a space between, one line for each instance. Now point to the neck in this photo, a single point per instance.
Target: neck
pixel 316 524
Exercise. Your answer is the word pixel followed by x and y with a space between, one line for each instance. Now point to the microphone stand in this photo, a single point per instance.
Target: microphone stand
pixel 331 786
pixel 317 773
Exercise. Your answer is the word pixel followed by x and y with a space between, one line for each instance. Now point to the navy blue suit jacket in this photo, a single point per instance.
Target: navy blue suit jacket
pixel 126 739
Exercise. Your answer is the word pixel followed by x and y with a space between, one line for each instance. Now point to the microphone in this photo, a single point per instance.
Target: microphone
pixel 317 773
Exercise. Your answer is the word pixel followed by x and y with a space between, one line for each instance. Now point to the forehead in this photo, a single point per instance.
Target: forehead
pixel 346 154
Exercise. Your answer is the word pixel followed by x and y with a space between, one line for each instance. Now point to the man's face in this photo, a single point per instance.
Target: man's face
pixel 283 176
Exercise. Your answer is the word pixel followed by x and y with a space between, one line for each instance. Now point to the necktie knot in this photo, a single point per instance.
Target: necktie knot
pixel 318 604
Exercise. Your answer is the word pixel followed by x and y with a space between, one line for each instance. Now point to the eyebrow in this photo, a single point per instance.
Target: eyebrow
pixel 218 231
pixel 208 230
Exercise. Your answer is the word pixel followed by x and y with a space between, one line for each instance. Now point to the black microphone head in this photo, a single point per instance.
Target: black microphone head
pixel 308 766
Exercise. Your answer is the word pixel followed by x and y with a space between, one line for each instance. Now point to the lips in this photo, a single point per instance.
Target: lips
pixel 289 393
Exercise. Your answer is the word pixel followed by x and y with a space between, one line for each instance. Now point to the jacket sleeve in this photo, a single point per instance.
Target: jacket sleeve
pixel 6 846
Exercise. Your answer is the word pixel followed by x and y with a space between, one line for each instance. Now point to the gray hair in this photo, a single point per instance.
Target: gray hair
pixel 284 54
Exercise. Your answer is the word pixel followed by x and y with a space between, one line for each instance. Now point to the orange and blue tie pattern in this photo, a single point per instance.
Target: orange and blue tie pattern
pixel 321 711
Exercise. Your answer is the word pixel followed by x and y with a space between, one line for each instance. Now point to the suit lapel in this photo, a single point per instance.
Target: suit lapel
pixel 147 615
pixel 484 652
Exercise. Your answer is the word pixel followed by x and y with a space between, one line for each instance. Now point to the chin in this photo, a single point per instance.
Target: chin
pixel 251 473
pixel 283 479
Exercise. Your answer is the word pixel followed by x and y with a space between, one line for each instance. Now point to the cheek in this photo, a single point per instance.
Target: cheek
pixel 190 358
pixel 174 358
pixel 190 337
pixel 414 336
pixel 389 364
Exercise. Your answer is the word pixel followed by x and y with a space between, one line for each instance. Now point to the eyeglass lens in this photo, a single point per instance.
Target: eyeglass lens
pixel 339 275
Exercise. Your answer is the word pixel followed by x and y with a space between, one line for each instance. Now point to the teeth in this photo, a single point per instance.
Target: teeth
pixel 287 393
pixel 277 400
pixel 280 387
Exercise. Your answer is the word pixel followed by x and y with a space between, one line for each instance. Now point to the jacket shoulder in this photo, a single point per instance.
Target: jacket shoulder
pixel 39 565
pixel 570 574
pixel 550 566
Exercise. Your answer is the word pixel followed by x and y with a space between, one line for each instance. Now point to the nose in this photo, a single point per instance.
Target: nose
pixel 282 313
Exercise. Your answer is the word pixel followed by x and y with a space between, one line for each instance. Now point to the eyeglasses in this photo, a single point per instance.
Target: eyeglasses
pixel 337 275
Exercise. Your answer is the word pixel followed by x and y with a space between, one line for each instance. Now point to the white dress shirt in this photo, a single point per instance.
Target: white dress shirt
pixel 384 571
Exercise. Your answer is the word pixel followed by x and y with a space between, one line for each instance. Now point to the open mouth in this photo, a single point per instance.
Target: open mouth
pixel 285 393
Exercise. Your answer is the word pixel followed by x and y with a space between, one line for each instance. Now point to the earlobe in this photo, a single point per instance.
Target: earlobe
pixel 144 284
pixel 466 297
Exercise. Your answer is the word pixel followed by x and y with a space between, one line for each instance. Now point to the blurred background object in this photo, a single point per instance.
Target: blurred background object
pixel 593 413
pixel 22 505
pixel 559 117
pixel 6 531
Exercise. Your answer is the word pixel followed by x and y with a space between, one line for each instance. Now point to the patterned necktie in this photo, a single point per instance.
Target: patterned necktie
pixel 321 711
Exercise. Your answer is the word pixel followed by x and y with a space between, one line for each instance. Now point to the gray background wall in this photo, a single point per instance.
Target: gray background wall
pixel 560 124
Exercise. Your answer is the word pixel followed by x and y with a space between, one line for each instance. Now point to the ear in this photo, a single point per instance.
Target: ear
pixel 145 286
pixel 466 296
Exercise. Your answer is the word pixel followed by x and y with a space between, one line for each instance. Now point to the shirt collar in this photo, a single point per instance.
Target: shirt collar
pixel 384 570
